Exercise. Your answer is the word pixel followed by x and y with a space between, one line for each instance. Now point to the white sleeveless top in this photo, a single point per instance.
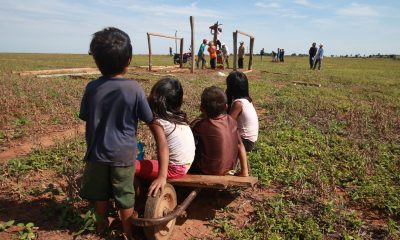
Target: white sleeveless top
pixel 247 120
pixel 180 142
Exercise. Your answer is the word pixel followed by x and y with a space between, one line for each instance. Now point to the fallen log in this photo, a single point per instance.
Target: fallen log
pixel 67 74
pixel 307 84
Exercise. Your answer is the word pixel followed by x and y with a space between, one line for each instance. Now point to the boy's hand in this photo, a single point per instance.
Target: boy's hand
pixel 157 184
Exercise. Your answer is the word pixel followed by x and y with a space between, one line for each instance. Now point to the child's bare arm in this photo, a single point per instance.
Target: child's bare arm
pixel 163 158
pixel 244 169
pixel 236 110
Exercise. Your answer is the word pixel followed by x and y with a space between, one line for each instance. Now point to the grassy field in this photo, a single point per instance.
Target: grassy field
pixel 332 153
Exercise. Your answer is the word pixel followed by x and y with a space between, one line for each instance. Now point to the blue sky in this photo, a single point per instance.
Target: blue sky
pixel 66 26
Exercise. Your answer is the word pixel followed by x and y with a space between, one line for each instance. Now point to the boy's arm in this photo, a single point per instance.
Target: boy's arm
pixel 163 155
pixel 244 169
pixel 236 110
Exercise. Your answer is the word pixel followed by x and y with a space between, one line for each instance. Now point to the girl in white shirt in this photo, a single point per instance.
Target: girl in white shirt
pixel 165 101
pixel 241 108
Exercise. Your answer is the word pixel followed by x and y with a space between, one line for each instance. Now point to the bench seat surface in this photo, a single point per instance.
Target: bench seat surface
pixel 212 181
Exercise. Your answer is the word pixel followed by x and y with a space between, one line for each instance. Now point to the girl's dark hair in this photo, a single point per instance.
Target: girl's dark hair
pixel 112 50
pixel 237 86
pixel 165 100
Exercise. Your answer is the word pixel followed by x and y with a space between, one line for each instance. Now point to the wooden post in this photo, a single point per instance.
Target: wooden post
pixel 148 40
pixel 181 54
pixel 192 42
pixel 215 34
pixel 234 51
pixel 251 53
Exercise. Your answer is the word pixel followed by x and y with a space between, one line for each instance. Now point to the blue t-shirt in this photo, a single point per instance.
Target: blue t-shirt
pixel 111 108
pixel 201 49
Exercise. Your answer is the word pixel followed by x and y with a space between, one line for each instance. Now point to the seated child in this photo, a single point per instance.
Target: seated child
pixel 165 101
pixel 241 108
pixel 219 143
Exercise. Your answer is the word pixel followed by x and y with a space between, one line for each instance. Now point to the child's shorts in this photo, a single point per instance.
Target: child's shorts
pixel 102 182
pixel 148 169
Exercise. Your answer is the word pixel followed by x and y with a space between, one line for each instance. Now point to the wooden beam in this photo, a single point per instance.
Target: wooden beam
pixel 248 71
pixel 51 71
pixel 163 35
pixel 307 84
pixel 192 42
pixel 181 54
pixel 246 34
pixel 251 53
pixel 212 181
pixel 234 51
pixel 149 44
pixel 68 74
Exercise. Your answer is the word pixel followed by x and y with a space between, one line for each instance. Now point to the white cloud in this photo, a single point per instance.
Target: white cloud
pixel 305 3
pixel 267 5
pixel 358 10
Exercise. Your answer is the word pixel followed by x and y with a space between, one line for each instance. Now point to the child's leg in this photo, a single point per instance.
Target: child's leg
pixel 126 225
pixel 101 208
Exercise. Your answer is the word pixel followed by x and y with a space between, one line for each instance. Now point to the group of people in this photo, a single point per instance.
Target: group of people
pixel 218 50
pixel 214 143
pixel 316 56
pixel 279 55
pixel 215 50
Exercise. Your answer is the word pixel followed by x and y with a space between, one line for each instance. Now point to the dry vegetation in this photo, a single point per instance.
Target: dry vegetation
pixel 331 154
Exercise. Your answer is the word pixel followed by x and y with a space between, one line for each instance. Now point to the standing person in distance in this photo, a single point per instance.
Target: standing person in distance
pixel 262 53
pixel 225 53
pixel 282 55
pixel 311 54
pixel 212 50
pixel 241 54
pixel 200 55
pixel 318 57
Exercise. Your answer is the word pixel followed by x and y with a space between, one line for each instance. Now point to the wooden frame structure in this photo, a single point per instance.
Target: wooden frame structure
pixel 235 48
pixel 165 36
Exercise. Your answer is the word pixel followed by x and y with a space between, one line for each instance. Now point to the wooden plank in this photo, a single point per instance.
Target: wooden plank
pixel 149 44
pixel 181 54
pixel 234 51
pixel 192 42
pixel 212 181
pixel 163 35
pixel 251 54
pixel 67 74
pixel 307 84
pixel 51 71
pixel 246 34
pixel 248 71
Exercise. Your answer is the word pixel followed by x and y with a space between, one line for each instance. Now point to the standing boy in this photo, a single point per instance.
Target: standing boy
pixel 225 54
pixel 111 107
pixel 218 141
pixel 200 55
pixel 212 50
pixel 241 54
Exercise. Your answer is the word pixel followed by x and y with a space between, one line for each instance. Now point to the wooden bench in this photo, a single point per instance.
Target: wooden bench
pixel 212 181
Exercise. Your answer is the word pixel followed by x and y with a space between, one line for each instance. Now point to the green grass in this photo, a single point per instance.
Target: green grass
pixel 333 151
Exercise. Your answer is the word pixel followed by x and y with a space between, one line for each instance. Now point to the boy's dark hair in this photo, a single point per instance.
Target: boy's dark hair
pixel 112 50
pixel 237 86
pixel 166 99
pixel 213 100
